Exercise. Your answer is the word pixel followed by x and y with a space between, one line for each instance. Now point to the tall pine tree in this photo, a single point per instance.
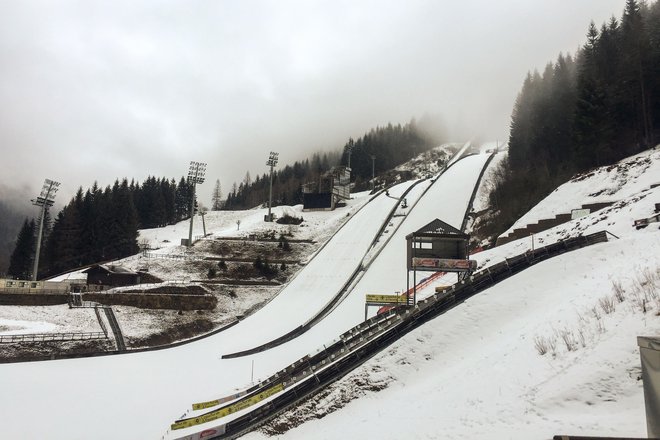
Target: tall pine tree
pixel 21 260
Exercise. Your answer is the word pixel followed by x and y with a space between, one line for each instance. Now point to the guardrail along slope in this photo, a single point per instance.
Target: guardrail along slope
pixel 310 374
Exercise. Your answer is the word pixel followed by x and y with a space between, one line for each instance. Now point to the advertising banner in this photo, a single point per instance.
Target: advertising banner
pixel 442 264
pixel 649 351
pixel 216 402
pixel 206 434
pixel 387 299
pixel 223 412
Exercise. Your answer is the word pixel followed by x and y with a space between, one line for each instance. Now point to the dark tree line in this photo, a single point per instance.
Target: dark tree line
pixel 287 183
pixel 20 262
pixel 13 210
pixel 392 145
pixel 591 110
pixel 101 224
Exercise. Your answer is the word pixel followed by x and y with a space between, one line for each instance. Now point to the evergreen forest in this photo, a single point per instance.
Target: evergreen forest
pixel 581 112
pixel 100 224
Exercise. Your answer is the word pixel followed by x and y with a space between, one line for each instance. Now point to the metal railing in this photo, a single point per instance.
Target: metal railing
pixel 48 337
pixel 365 340
pixel 114 326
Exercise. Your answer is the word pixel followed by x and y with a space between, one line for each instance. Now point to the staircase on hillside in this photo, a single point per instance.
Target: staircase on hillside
pixel 545 224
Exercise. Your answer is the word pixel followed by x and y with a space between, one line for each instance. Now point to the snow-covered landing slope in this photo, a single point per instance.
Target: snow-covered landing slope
pixel 319 281
pixel 139 395
pixel 476 372
pixel 446 199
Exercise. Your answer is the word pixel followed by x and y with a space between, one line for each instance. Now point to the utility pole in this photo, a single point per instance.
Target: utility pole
pixel 195 175
pixel 272 162
pixel 45 200
pixel 349 150
pixel 373 173
pixel 202 212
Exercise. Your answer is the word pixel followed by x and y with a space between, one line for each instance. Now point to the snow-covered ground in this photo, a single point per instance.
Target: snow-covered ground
pixel 606 184
pixel 16 320
pixel 474 372
pixel 477 371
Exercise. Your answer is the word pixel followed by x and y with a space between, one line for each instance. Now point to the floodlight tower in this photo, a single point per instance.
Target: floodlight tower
pixel 195 175
pixel 272 162
pixel 45 200
pixel 349 150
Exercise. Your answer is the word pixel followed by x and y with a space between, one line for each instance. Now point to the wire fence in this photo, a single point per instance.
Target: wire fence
pixel 172 256
pixel 48 337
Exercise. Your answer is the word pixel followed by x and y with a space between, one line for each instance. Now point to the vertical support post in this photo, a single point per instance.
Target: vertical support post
pixel 35 269
pixel 195 176
pixel 192 213
pixel 349 150
pixel 270 195
pixel 407 285
pixel 414 252
pixel 45 199
pixel 373 173
pixel 272 162
pixel 414 286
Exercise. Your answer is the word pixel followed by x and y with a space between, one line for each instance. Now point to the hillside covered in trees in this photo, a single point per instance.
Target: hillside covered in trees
pixel 584 111
pixel 392 145
pixel 100 224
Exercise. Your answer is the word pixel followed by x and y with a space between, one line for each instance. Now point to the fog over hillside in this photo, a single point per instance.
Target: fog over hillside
pixel 94 91
pixel 14 208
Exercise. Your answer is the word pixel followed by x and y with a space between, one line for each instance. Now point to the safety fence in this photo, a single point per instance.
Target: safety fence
pixel 49 337
pixel 475 190
pixel 64 336
pixel 190 257
pixel 313 372
pixel 114 326
pixel 265 240
pixel 101 323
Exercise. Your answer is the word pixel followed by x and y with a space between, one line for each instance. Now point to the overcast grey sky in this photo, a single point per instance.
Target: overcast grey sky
pixel 98 90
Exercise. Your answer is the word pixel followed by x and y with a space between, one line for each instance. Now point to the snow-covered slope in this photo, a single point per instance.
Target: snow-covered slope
pixel 478 372
pixel 142 393
pixel 474 372
pixel 606 184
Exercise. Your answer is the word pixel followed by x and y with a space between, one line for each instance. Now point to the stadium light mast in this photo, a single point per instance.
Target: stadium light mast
pixel 45 200
pixel 195 175
pixel 349 150
pixel 272 162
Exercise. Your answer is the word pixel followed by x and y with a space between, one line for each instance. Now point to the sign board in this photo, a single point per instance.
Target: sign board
pixel 216 402
pixel 227 410
pixel 206 434
pixel 649 351
pixel 578 213
pixel 387 299
pixel 443 264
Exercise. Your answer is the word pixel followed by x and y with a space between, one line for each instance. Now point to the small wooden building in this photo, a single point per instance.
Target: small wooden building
pixel 111 276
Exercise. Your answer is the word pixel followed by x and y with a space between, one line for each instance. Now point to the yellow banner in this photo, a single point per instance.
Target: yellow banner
pixel 216 402
pixel 393 299
pixel 223 412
